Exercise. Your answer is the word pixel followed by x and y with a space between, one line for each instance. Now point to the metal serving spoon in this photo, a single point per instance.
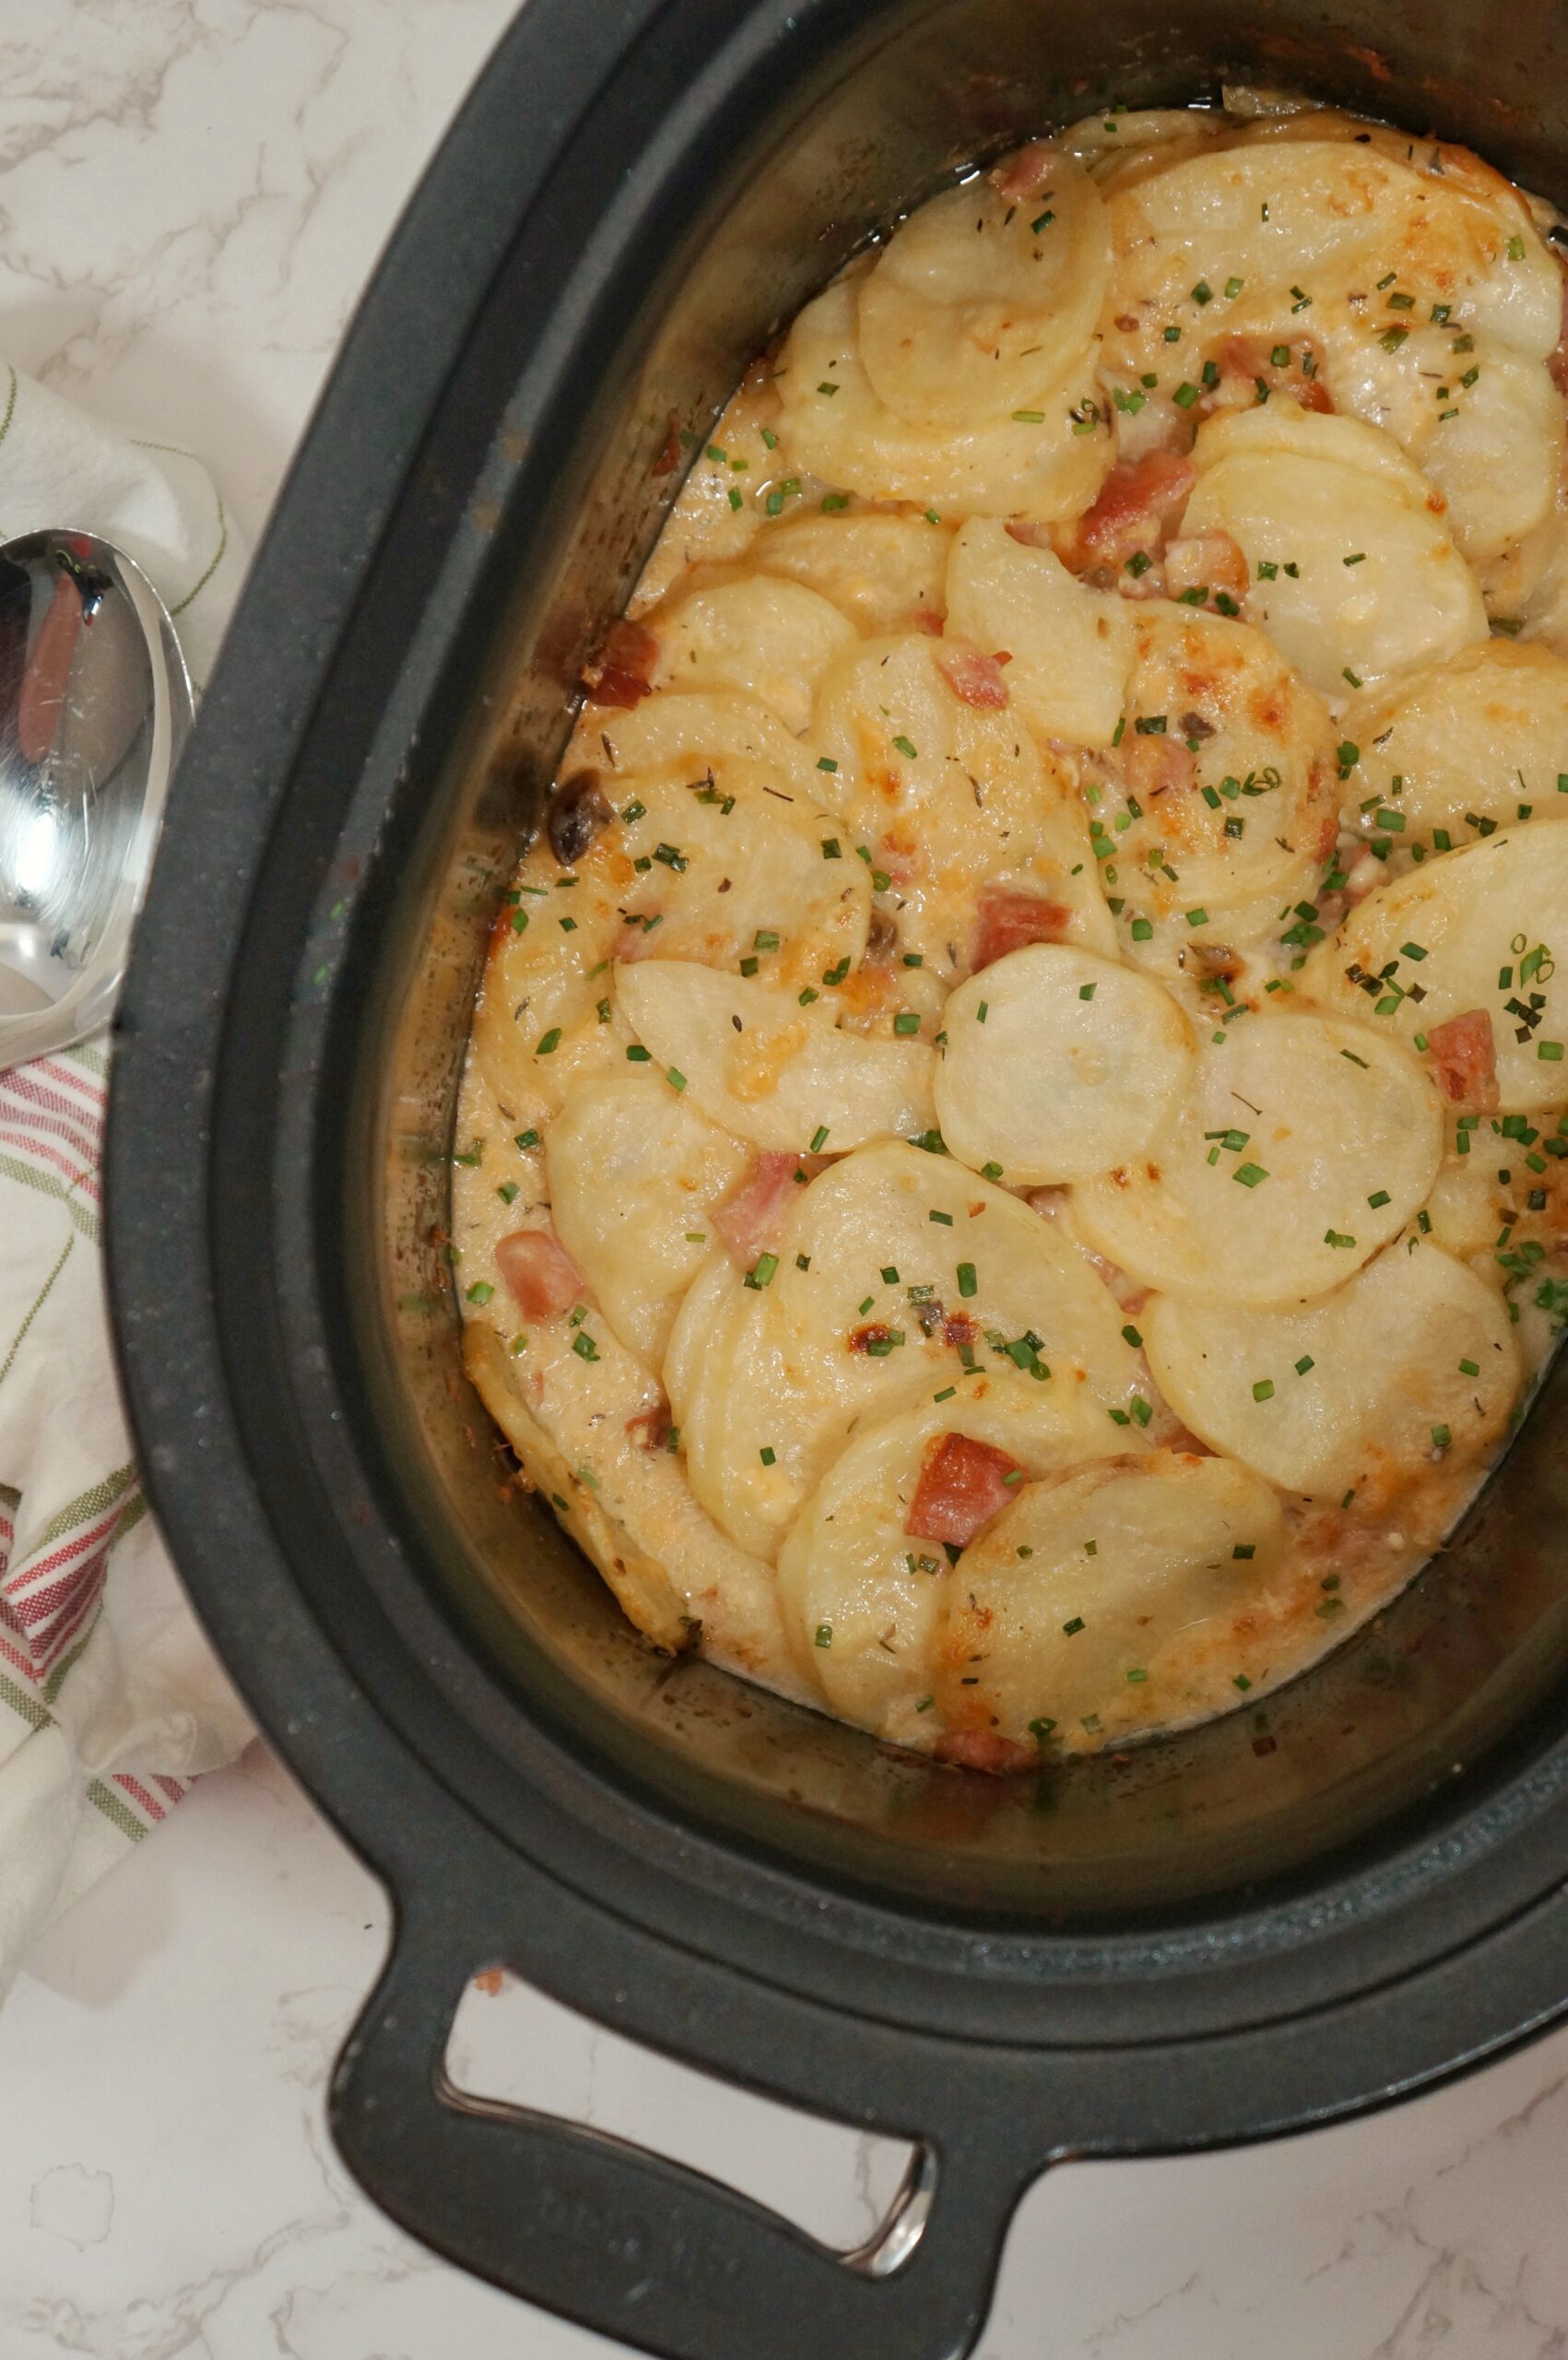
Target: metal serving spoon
pixel 95 705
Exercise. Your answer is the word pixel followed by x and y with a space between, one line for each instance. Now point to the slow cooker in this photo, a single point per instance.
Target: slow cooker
pixel 1299 1911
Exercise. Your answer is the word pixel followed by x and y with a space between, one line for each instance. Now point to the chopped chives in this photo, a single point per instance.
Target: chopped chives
pixel 1306 1362
pixel 818 1139
pixel 945 1219
pixel 906 1022
pixel 968 1284
pixel 1264 1390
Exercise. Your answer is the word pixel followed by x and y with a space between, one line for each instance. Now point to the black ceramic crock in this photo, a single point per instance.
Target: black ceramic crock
pixel 1306 1909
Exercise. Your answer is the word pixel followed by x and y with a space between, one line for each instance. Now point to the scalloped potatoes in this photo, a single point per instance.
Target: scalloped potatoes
pixel 1013 1171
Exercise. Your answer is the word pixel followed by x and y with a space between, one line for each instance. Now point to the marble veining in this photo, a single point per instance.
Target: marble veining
pixel 191 195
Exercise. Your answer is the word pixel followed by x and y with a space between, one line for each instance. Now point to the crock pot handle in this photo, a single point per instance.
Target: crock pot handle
pixel 642 2249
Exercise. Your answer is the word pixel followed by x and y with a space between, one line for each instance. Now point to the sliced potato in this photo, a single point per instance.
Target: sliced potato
pixel 1491 447
pixel 1125 146
pixel 687 733
pixel 978 306
pixel 1258 1192
pixel 769 1071
pixel 950 798
pixel 1047 469
pixel 1247 830
pixel 633 1174
pixel 720 847
pixel 1059 1065
pixel 1528 583
pixel 734 1399
pixel 770 638
pixel 884 573
pixel 1482 916
pixel 1376 586
pixel 894 1207
pixel 1414 1357
pixel 1477 736
pixel 1301 228
pixel 639 1581
pixel 795 1367
pixel 1064 1612
pixel 862 1600
pixel 1070 647
pixel 1465 1206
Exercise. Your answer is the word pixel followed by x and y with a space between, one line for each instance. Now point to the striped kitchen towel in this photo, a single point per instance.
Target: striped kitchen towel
pixel 110 1701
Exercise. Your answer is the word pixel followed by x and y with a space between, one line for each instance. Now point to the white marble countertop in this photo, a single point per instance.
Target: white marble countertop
pixel 191 195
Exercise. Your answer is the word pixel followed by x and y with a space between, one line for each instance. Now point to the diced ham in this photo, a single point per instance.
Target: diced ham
pixel 1206 562
pixel 1464 1060
pixel 632 647
pixel 1139 501
pixel 1023 175
pixel 1558 364
pixel 963 1484
pixel 617 690
pixel 985 1750
pixel 1010 919
pixel 1247 361
pixel 629 654
pixel 539 1274
pixel 752 1218
pixel 1158 765
pixel 974 679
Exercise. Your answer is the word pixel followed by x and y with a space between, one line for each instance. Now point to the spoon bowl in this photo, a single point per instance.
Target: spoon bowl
pixel 95 705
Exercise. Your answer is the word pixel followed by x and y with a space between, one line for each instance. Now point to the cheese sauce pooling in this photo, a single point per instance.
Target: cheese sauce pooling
pixel 1010 1181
